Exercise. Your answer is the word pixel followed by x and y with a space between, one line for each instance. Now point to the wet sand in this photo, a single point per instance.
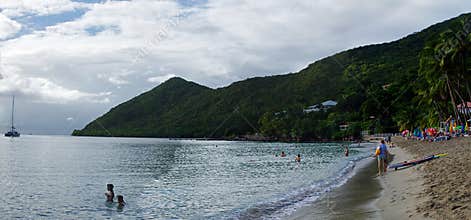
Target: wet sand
pixel 353 200
pixel 395 195
pixel 402 190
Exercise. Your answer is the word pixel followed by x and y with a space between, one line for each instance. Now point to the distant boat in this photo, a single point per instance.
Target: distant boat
pixel 12 132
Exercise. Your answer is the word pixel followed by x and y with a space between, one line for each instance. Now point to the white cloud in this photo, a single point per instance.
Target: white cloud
pixel 8 27
pixel 16 8
pixel 46 91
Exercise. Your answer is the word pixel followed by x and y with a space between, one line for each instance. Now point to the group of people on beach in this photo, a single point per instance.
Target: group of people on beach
pixel 110 196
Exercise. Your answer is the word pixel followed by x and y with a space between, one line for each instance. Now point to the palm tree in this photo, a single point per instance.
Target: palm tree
pixel 444 68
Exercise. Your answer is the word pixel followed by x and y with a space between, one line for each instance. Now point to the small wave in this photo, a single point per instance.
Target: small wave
pixel 286 204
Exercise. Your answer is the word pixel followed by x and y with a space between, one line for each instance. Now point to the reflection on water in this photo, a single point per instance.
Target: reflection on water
pixel 65 177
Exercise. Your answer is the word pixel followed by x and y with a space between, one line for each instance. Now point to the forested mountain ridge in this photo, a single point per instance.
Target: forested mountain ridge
pixel 374 86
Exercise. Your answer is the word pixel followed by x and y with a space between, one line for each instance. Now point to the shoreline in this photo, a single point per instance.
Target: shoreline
pixel 401 189
pixel 395 195
pixel 246 139
pixel 352 200
pixel 436 189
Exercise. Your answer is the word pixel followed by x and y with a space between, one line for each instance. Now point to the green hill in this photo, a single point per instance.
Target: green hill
pixel 373 85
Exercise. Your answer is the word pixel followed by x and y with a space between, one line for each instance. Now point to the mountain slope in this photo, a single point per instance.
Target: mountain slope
pixel 146 114
pixel 355 78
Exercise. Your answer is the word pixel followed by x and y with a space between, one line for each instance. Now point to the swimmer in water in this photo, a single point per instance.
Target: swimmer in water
pixel 298 158
pixel 346 150
pixel 283 154
pixel 121 201
pixel 109 193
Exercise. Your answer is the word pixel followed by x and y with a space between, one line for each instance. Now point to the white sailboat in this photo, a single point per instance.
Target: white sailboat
pixel 12 132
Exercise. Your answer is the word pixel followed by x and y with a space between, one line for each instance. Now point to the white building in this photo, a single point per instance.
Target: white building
pixel 329 104
pixel 321 107
pixel 312 108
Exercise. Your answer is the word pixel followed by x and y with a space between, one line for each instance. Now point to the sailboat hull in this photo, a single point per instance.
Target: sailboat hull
pixel 12 134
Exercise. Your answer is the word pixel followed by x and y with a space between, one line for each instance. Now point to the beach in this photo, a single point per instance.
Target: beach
pixel 437 189
pixel 353 200
pixel 401 190
pixel 446 192
pixel 368 196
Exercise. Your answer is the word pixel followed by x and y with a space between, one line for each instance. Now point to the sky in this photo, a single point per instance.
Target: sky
pixel 68 62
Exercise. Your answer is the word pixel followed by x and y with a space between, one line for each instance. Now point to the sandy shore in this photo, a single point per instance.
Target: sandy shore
pixel 445 192
pixel 350 201
pixel 402 190
pixel 437 189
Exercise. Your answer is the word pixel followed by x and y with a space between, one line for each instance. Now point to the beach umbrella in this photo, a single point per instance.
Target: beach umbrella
pixel 431 131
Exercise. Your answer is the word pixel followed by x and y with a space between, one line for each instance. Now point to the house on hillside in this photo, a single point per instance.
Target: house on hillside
pixel 313 108
pixel 329 104
pixel 280 113
pixel 320 107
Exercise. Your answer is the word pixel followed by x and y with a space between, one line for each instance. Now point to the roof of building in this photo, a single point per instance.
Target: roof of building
pixel 329 103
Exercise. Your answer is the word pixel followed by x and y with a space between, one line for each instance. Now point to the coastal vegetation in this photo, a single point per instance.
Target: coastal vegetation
pixel 418 80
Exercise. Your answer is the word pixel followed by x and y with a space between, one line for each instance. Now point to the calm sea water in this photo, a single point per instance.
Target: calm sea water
pixel 56 177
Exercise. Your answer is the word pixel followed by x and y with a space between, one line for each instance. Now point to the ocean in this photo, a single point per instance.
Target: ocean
pixel 61 177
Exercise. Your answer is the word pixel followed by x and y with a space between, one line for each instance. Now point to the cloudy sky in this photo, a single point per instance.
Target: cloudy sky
pixel 68 62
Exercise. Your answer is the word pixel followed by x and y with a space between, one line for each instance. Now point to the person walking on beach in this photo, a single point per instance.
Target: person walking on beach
pixel 381 155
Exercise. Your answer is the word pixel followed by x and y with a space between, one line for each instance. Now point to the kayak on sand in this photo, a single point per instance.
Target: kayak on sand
pixel 415 162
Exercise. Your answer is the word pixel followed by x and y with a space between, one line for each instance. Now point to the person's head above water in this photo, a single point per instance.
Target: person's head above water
pixel 110 187
pixel 121 200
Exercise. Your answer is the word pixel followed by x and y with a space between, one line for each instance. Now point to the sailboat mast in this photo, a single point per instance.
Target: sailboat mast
pixel 12 110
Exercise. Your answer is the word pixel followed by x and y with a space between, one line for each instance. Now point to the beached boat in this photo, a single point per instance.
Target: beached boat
pixel 415 162
pixel 12 132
